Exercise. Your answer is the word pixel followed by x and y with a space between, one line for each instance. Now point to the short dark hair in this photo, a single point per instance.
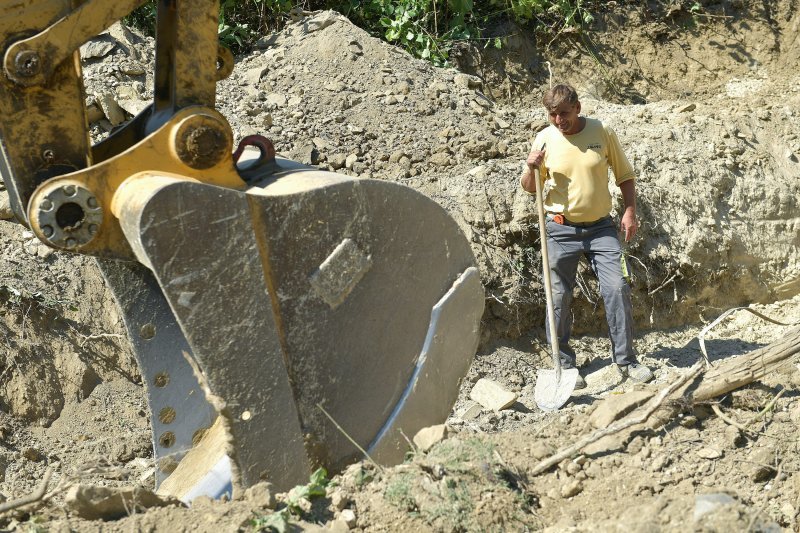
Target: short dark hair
pixel 557 95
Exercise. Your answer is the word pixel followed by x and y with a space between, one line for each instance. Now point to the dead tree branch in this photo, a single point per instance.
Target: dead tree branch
pixel 34 497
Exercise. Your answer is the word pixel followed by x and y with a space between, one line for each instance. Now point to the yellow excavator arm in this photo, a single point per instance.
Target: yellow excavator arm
pixel 283 318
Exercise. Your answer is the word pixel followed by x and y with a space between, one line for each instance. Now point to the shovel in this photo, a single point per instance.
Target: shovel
pixel 553 386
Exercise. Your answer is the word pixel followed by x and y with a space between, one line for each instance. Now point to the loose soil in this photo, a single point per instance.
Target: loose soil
pixel 707 107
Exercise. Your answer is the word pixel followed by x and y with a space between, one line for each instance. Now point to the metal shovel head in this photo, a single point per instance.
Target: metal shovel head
pixel 550 392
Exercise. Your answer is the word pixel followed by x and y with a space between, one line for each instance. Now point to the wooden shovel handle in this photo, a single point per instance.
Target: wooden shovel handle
pixel 548 289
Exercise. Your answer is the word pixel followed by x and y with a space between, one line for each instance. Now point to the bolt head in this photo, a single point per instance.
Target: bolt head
pixel 27 63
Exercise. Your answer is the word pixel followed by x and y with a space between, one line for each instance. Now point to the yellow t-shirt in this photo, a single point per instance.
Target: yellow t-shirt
pixel 575 170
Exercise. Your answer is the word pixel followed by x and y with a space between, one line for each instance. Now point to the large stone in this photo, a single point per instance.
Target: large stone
pixel 106 503
pixel 254 75
pixel 261 495
pixel 98 47
pixel 492 395
pixel 111 109
pixel 427 437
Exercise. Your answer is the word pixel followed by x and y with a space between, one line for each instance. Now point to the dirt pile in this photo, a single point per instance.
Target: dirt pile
pixel 719 199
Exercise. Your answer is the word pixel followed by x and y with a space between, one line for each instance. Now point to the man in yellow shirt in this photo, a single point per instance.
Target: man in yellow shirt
pixel 574 154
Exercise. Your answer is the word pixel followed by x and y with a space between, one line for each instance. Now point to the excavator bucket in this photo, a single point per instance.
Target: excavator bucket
pixel 331 316
pixel 283 318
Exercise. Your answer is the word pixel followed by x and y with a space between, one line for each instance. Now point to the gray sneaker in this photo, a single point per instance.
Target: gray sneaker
pixel 636 372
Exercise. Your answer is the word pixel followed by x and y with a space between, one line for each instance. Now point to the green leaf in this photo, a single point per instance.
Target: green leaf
pixel 319 477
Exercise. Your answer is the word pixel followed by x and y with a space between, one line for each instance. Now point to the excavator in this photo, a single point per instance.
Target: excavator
pixel 283 318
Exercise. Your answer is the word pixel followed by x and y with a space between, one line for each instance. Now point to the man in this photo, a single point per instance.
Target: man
pixel 574 154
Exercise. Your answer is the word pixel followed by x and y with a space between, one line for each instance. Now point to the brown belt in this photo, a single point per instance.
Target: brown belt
pixel 561 219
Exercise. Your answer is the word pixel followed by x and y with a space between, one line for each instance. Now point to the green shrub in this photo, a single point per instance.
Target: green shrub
pixel 425 28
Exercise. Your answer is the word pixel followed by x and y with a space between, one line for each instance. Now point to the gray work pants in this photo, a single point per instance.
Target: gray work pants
pixel 566 244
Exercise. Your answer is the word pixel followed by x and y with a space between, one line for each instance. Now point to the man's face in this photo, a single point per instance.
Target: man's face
pixel 565 117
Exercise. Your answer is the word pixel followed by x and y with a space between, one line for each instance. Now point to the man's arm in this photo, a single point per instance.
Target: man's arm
pixel 628 224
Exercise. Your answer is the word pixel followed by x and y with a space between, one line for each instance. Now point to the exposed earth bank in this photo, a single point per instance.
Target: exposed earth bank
pixel 707 107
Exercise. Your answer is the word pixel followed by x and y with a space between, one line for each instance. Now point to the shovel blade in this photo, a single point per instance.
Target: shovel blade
pixel 550 392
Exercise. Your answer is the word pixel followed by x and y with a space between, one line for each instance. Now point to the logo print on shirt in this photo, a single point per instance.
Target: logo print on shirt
pixel 594 146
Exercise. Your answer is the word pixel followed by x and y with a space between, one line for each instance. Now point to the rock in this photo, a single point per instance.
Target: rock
pixel 427 437
pixel 98 47
pixel 133 106
pixel 617 406
pixel 32 454
pixel 335 86
pixel 276 99
pixel 660 462
pixel 686 108
pixel 478 172
pixel 94 112
pixel 471 411
pixel 349 517
pixel 350 161
pixel 254 75
pixel 734 437
pixel 465 81
pixel 337 161
pixel 5 206
pixel 132 68
pixel 111 109
pixel 481 148
pixel 571 488
pixel 125 38
pixel 261 495
pixel 477 108
pixel 501 124
pixel 396 156
pixel 339 500
pixel 441 159
pixel 106 503
pixel 306 154
pixel 321 20
pixel 794 413
pixel 492 395
pixel 762 468
pixel 709 453
pixel 338 526
pixel 708 503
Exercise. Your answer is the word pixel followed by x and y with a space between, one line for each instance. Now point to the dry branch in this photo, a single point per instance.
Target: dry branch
pixel 34 497
pixel 735 373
